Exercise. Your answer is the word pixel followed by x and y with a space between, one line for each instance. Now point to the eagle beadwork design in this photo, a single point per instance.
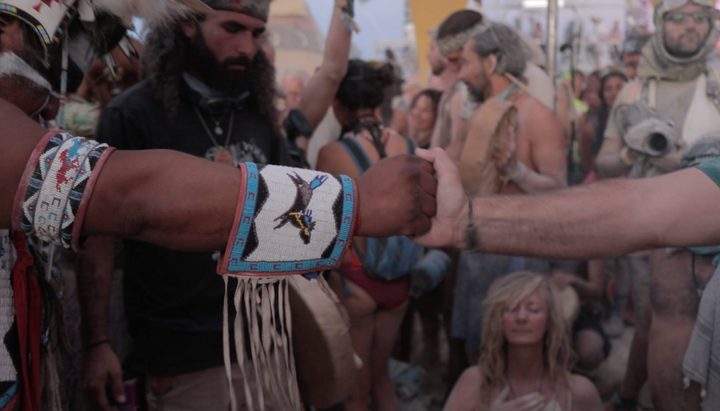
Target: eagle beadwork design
pixel 298 215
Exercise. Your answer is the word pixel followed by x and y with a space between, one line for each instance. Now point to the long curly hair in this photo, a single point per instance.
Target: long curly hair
pixel 506 293
pixel 164 62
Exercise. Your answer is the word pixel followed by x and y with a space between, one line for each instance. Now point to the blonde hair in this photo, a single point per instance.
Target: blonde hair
pixel 507 292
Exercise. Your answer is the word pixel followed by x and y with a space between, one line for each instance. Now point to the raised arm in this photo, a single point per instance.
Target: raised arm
pixel 595 221
pixel 320 91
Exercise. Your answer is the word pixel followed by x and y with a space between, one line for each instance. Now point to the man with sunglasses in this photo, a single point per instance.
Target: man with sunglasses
pixel 674 85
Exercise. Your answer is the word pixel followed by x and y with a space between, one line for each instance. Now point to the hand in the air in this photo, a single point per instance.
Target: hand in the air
pixel 530 402
pixel 397 197
pixel 102 369
pixel 452 203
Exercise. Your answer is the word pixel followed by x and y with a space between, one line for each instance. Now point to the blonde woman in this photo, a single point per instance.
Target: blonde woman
pixel 525 355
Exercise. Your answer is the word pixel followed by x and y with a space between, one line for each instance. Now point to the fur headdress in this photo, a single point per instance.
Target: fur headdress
pixel 93 26
pixel 257 8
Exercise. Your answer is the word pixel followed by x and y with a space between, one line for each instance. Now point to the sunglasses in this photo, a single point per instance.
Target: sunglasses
pixel 680 18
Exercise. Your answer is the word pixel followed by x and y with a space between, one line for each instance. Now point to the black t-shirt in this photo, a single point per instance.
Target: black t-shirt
pixel 173 299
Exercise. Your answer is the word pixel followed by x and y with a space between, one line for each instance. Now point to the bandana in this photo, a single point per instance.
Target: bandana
pixel 256 8
pixel 658 63
pixel 456 43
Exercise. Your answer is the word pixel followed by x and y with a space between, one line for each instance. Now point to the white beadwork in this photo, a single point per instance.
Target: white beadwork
pixel 284 244
pixel 57 187
pixel 7 307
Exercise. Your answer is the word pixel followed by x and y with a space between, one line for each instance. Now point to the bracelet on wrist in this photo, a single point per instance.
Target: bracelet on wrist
pixel 625 157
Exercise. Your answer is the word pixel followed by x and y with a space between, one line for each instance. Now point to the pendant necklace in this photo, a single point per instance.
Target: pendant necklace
pixel 222 154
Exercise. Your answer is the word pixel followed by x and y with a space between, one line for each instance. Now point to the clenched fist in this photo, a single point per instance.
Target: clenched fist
pixel 397 197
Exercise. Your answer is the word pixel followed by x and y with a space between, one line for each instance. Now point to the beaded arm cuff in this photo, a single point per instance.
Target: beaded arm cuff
pixel 289 221
pixel 56 187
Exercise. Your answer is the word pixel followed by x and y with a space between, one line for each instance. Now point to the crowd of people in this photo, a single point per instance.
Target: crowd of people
pixel 527 283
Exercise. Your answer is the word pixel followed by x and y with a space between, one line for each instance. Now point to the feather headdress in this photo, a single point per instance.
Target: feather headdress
pixel 52 19
pixel 152 10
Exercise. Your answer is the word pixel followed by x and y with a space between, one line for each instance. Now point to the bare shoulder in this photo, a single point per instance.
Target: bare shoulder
pixel 465 396
pixel 334 159
pixel 472 376
pixel 534 108
pixel 585 394
pixel 537 121
pixel 397 144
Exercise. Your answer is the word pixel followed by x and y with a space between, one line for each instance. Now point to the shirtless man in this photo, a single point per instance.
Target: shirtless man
pixel 445 58
pixel 533 164
pixel 536 162
pixel 678 277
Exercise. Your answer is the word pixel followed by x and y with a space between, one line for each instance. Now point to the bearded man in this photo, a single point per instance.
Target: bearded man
pixel 533 163
pixel 58 189
pixel 445 57
pixel 675 94
pixel 210 93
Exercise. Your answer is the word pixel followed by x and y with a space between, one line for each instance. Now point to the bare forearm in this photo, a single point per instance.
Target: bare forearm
pixel 581 223
pixel 95 277
pixel 603 220
pixel 321 89
pixel 167 198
